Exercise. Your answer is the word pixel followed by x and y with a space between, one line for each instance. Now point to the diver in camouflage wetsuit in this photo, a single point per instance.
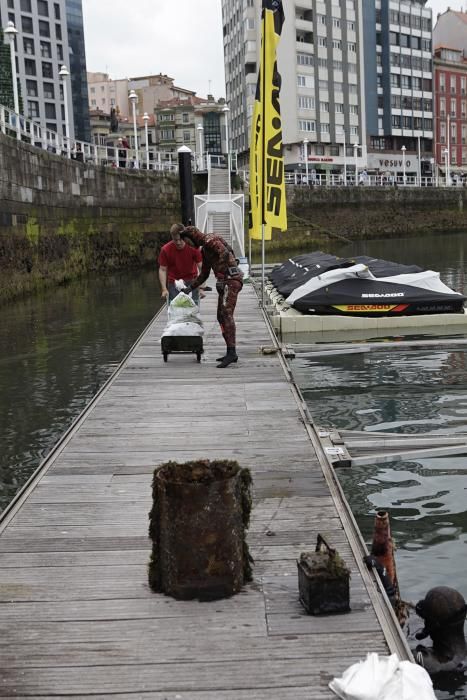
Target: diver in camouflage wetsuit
pixel 218 256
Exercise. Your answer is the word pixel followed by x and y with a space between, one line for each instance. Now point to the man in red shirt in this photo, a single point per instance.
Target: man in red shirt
pixel 178 261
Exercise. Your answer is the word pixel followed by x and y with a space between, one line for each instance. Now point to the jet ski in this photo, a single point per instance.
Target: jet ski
pixel 319 283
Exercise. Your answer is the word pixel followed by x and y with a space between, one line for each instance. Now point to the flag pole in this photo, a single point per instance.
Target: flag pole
pixel 263 250
pixel 263 155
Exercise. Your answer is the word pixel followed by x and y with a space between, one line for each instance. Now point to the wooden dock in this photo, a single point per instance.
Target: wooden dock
pixel 77 616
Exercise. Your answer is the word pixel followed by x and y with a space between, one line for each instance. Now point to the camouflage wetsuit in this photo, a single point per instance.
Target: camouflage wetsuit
pixel 218 257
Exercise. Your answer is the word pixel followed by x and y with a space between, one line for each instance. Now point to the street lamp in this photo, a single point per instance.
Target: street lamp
pixel 64 73
pixel 305 147
pixel 355 152
pixel 403 149
pixel 146 119
pixel 10 32
pixel 226 111
pixel 133 97
pixel 345 158
pixel 201 155
pixel 446 167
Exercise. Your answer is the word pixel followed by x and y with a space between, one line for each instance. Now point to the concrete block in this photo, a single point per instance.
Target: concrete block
pixel 75 189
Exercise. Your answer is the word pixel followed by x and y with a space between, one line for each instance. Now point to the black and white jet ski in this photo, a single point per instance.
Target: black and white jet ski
pixel 319 283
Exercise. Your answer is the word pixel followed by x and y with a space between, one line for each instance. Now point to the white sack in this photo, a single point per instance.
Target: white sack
pixel 383 678
pixel 183 328
pixel 183 309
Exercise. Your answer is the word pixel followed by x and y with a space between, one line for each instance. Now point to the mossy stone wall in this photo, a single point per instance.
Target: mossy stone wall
pixel 60 218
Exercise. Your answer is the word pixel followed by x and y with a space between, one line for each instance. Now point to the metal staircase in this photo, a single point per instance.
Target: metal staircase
pixel 219 211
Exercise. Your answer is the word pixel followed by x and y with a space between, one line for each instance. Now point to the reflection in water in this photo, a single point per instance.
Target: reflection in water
pixel 57 349
pixel 418 391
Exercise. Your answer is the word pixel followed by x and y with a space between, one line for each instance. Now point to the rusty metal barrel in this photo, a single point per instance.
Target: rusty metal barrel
pixel 198 528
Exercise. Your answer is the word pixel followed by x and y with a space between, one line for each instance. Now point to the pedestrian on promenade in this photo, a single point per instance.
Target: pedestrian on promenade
pixel 219 257
pixel 123 147
pixel 178 261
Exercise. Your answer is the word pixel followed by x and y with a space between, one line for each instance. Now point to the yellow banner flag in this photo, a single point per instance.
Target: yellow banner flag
pixel 267 185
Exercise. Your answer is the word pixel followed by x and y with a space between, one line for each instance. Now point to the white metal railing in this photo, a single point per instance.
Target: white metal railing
pixel 110 154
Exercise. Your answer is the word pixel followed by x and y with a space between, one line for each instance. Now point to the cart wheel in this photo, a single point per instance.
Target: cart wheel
pixel 166 355
pixel 198 356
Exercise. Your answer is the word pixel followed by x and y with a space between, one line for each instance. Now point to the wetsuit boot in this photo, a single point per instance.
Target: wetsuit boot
pixel 229 358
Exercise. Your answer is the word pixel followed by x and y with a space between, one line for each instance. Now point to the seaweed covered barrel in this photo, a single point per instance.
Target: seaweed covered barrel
pixel 198 524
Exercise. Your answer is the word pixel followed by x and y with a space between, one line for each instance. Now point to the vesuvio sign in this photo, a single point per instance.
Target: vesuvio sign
pixel 392 162
pixel 320 159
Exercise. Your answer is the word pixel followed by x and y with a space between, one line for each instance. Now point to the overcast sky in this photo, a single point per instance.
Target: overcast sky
pixel 182 38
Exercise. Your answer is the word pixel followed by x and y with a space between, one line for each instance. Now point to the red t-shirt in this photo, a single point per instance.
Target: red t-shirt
pixel 180 264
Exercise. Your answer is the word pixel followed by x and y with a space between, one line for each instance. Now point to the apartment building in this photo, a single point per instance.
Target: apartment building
pixel 196 123
pixel 104 93
pixel 450 91
pixel 398 85
pixel 320 59
pixel 354 72
pixel 77 67
pixel 42 47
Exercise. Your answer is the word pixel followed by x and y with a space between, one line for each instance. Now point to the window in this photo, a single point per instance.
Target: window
pixel 31 88
pixel 353 109
pixel 322 62
pixel 322 41
pixel 49 91
pixel 301 80
pixel 319 150
pixel 337 44
pixel 453 108
pixel 336 22
pixel 306 102
pixel 415 42
pixel 28 45
pixel 428 124
pixel 306 125
pixel 185 118
pixel 426 45
pixel 352 47
pixel 29 66
pixel 26 24
pixel 407 122
pixel 463 85
pixel 325 128
pixel 305 59
pixel 58 32
pixel 428 105
pixel 350 26
pixel 44 28
pixel 338 87
pixel 60 52
pixel 323 85
pixel 33 109
pixel 167 134
pixel 25 5
pixel 396 121
pixel 395 80
pixel 404 40
pixel 334 150
pixel 395 101
pixel 394 17
pixel 442 82
pixel 50 112
pixel 186 136
pixel 57 10
pixel 321 19
pixel 442 107
pixel 47 70
pixel 337 65
pixel 353 131
pixel 416 83
pixel 324 106
pixel 46 49
pixel 339 107
pixel 43 8
pixel 393 39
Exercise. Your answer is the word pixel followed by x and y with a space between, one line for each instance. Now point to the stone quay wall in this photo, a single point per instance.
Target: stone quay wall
pixel 377 212
pixel 60 218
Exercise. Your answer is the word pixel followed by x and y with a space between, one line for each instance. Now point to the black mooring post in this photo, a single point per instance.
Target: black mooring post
pixel 186 186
